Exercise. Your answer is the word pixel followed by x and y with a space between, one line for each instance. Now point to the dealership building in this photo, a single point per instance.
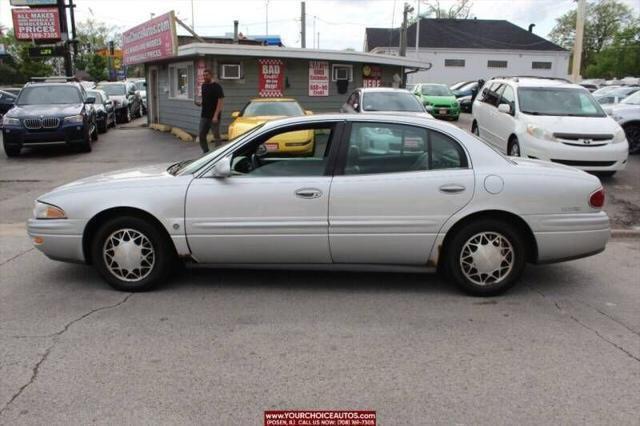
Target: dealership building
pixel 472 49
pixel 320 80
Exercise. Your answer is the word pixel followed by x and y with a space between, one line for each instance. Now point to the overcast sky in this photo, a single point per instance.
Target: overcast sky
pixel 341 23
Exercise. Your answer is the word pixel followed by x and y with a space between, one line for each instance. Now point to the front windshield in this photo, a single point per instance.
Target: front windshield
pixel 114 89
pixel 280 108
pixel 632 99
pixel 436 90
pixel 192 166
pixel 558 102
pixel 140 85
pixel 96 95
pixel 47 95
pixel 391 101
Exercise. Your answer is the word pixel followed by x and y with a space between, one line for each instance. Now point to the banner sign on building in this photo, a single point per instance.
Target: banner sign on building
pixel 34 2
pixel 36 24
pixel 318 78
pixel 371 76
pixel 150 41
pixel 270 78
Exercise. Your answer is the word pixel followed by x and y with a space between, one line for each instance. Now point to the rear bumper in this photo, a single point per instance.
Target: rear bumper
pixel 563 237
pixel 610 157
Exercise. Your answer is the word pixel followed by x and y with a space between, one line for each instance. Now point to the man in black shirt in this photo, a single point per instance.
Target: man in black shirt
pixel 212 101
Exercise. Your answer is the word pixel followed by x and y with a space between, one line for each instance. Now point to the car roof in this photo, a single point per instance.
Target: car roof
pixel 273 100
pixel 382 89
pixel 397 117
pixel 536 82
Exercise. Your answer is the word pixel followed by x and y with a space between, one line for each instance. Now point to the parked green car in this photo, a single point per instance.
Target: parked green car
pixel 438 99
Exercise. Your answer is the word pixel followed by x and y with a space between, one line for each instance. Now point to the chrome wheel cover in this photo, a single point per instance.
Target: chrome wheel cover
pixel 128 255
pixel 487 258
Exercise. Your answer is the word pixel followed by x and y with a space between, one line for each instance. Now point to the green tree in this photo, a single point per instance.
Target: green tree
pixel 461 9
pixel 621 59
pixel 603 21
pixel 19 67
pixel 97 68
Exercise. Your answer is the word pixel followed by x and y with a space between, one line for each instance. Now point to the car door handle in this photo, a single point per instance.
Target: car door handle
pixel 452 188
pixel 308 193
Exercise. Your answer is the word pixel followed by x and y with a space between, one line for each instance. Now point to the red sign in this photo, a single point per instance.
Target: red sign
pixel 270 78
pixel 320 418
pixel 371 76
pixel 36 24
pixel 155 39
pixel 318 78
pixel 371 82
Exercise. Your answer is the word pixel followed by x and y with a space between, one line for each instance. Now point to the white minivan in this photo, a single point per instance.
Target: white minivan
pixel 549 119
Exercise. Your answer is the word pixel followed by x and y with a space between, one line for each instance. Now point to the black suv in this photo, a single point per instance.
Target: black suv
pixel 50 110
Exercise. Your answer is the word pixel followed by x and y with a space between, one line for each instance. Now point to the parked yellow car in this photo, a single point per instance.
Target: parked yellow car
pixel 259 110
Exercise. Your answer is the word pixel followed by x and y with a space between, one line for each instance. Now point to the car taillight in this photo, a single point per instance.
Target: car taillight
pixel 596 200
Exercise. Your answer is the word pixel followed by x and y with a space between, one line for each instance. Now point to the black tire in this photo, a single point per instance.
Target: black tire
pixel 632 132
pixel 85 145
pixel 605 174
pixel 457 249
pixel 113 123
pixel 153 273
pixel 94 132
pixel 12 150
pixel 475 129
pixel 513 149
pixel 102 126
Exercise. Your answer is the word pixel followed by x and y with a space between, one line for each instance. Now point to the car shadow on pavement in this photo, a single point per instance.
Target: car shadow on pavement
pixel 47 152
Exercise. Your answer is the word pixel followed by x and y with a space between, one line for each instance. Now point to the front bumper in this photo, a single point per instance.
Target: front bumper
pixel 69 133
pixel 609 157
pixel 443 111
pixel 561 237
pixel 58 239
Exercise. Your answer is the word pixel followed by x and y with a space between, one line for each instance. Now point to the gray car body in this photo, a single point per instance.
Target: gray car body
pixel 551 199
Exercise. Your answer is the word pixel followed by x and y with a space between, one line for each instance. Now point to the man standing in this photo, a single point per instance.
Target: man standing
pixel 212 101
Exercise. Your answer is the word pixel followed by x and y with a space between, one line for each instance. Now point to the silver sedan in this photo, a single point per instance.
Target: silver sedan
pixel 381 192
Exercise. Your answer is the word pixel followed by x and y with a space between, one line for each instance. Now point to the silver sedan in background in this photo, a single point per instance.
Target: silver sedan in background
pixel 379 192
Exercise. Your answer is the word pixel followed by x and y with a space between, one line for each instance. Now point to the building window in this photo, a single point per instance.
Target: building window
pixel 496 64
pixel 541 65
pixel 230 72
pixel 181 81
pixel 454 62
pixel 341 72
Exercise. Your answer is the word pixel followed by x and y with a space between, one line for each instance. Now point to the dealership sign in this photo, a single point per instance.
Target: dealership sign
pixel 150 41
pixel 318 78
pixel 36 24
pixel 371 76
pixel 270 78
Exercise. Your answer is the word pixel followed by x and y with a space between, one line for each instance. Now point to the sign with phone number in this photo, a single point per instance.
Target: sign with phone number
pixel 36 24
pixel 318 78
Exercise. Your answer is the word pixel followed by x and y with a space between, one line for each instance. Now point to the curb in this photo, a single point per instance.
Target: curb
pixel 182 135
pixel 160 127
pixel 625 233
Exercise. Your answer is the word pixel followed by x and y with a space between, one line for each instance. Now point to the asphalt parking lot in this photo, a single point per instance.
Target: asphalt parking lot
pixel 221 346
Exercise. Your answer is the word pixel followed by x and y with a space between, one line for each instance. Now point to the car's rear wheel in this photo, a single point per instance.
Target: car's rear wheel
pixel 131 254
pixel 94 132
pixel 12 150
pixel 486 258
pixel 514 147
pixel 632 132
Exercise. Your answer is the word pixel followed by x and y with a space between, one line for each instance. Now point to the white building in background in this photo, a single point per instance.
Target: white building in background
pixel 471 49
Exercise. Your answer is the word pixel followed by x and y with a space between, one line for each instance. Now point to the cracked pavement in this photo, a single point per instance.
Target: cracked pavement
pixel 222 346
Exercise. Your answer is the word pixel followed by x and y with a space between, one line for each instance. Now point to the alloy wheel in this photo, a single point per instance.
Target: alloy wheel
pixel 129 255
pixel 487 258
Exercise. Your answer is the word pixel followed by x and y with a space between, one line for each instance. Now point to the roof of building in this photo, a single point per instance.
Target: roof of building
pixel 461 34
pixel 195 49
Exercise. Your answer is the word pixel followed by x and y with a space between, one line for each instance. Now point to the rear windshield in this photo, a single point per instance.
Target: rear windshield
pixel 114 89
pixel 47 95
pixel 556 101
pixel 391 101
pixel 288 109
pixel 436 91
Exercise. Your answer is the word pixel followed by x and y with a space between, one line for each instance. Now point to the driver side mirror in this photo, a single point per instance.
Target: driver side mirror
pixel 235 114
pixel 222 169
pixel 506 108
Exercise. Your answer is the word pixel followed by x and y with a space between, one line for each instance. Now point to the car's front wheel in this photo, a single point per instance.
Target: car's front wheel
pixel 132 254
pixel 632 132
pixel 12 150
pixel 486 257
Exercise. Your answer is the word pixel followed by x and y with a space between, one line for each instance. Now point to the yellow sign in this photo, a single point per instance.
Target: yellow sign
pixel 116 63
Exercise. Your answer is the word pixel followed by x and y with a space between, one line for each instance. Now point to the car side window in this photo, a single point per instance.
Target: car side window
pixel 396 148
pixel 301 151
pixel 494 94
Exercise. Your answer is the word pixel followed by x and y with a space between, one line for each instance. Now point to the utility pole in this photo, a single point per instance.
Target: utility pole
pixel 73 29
pixel 418 28
pixel 303 25
pixel 314 31
pixel 577 45
pixel 266 12
pixel 318 39
pixel 193 20
pixel 403 30
pixel 62 10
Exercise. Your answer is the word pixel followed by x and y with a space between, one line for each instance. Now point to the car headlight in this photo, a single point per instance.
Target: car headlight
pixel 619 136
pixel 74 119
pixel 8 121
pixel 48 211
pixel 540 133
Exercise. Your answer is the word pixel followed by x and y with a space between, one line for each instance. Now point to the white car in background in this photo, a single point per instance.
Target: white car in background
pixel 549 119
pixel 376 100
pixel 627 114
